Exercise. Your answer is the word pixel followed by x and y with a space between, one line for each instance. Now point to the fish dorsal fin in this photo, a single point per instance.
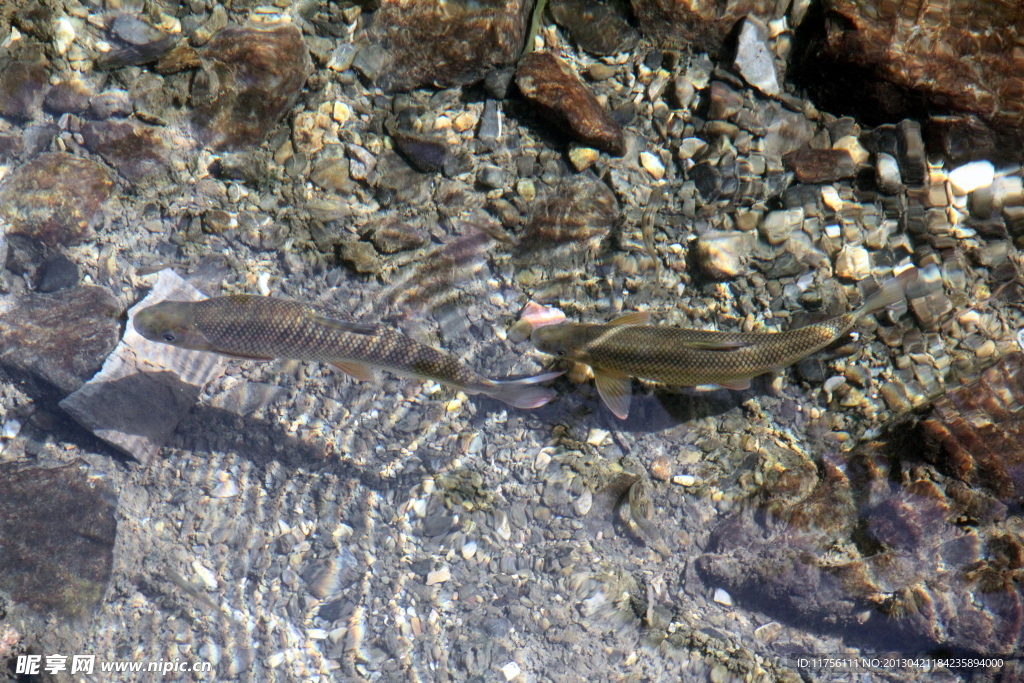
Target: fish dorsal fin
pixel 716 345
pixel 344 325
pixel 634 318
pixel 357 370
pixel 616 391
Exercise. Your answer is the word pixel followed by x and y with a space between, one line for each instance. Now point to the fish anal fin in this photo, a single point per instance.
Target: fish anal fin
pixel 716 345
pixel 345 325
pixel 616 390
pixel 736 384
pixel 634 318
pixel 357 370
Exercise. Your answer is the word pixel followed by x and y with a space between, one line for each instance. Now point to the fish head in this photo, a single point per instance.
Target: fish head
pixel 171 322
pixel 558 340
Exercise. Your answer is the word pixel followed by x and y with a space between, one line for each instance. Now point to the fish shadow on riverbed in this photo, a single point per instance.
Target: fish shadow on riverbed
pixel 650 411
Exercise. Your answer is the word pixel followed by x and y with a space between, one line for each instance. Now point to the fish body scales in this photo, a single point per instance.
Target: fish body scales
pixel 264 327
pixel 695 357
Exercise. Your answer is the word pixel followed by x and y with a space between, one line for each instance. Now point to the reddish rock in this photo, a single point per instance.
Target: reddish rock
pixel 58 556
pixel 135 149
pixel 454 43
pixel 54 197
pixel 978 430
pixel 890 60
pixel 249 78
pixel 820 165
pixel 600 28
pixel 22 87
pixel 700 25
pixel 563 98
pixel 53 343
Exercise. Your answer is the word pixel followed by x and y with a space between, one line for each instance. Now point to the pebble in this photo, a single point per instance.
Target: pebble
pixel 57 272
pixel 970 177
pixel 583 503
pixel 511 671
pixel 777 226
pixel 722 597
pixel 723 255
pixel 820 165
pixel 438 576
pixel 684 480
pixel 853 263
pixel 887 171
pixel 754 61
pixel 225 489
pixel 652 164
pixel 583 157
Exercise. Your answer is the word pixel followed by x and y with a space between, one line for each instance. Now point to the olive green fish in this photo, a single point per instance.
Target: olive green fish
pixel 265 328
pixel 627 348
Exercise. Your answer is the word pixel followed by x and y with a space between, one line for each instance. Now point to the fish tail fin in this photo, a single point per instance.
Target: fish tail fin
pixel 892 291
pixel 521 393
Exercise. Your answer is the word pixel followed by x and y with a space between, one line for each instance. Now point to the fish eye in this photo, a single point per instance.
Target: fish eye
pixel 169 336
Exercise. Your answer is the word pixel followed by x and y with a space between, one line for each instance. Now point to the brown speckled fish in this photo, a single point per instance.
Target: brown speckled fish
pixel 628 347
pixel 265 328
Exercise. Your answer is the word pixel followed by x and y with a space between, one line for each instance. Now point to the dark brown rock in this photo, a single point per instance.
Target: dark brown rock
pixel 54 198
pixel 137 150
pixel 57 556
pixel 600 28
pixel 394 235
pixel 22 88
pixel 547 82
pixel 360 256
pixel 820 165
pixel 699 25
pixel 68 97
pixel 454 43
pixel 249 77
pixel 53 343
pixel 903 59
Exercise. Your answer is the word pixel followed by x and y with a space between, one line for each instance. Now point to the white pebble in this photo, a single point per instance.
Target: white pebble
pixel 205 575
pixel 469 550
pixel 722 597
pixel 833 231
pixel 63 35
pixel 684 479
pixel 511 671
pixel 653 165
pixel 583 504
pixel 972 176
pixel 226 489
pixel 438 576
pixel 11 428
pixel 830 195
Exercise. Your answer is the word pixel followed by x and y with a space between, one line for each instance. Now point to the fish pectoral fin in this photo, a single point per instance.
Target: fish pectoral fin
pixel 736 384
pixel 616 390
pixel 634 318
pixel 345 325
pixel 357 370
pixel 716 345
